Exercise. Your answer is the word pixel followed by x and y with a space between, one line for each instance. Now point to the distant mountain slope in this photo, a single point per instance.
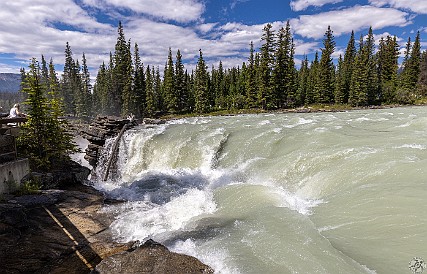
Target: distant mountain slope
pixel 10 82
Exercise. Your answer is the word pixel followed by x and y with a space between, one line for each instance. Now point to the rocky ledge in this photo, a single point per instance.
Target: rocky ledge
pixel 65 231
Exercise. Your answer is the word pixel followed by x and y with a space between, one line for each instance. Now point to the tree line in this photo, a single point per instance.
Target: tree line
pixel 366 75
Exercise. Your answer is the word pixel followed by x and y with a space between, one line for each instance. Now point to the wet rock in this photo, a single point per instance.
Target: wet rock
pixel 102 128
pixel 151 257
pixel 70 173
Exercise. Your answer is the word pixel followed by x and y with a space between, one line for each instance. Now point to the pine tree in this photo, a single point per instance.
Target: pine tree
pixel 70 81
pixel 121 93
pixel 251 88
pixel 157 82
pixel 169 91
pixel 150 95
pixel 44 139
pixel 326 73
pixel 44 71
pixel 100 91
pixel 414 63
pixel 139 85
pixel 340 90
pixel 347 71
pixel 303 82
pixel 310 97
pixel 85 97
pixel 180 84
pixel 371 69
pixel 265 68
pixel 422 78
pixel 201 86
pixel 387 65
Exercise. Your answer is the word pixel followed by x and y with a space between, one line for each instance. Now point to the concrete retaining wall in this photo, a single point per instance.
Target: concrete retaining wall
pixel 11 174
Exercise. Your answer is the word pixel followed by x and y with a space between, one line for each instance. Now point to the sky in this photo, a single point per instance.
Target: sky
pixel 222 29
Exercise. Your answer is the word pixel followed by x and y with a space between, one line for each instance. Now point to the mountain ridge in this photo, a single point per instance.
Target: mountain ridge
pixel 10 82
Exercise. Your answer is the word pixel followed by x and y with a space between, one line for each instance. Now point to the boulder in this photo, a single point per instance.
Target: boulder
pixel 69 173
pixel 151 257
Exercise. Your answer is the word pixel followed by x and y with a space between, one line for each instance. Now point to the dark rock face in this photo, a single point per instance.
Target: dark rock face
pixel 151 257
pixel 70 173
pixel 102 128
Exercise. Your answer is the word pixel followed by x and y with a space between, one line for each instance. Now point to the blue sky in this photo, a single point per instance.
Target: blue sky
pixel 223 29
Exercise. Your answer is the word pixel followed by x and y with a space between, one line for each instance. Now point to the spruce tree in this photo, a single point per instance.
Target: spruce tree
pixel 387 65
pixel 303 75
pixel 251 88
pixel 70 85
pixel 326 73
pixel 44 139
pixel 169 90
pixel 201 86
pixel 150 108
pixel 86 91
pixel 347 70
pixel 139 85
pixel 180 84
pixel 422 78
pixel 266 62
pixel 310 97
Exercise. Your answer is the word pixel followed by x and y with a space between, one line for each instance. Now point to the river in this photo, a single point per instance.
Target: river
pixel 342 192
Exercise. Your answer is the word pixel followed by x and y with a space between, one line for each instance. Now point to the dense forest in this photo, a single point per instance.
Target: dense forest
pixel 366 75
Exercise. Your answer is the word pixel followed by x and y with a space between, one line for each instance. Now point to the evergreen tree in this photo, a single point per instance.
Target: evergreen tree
pixel 157 82
pixel 251 88
pixel 121 93
pixel 326 73
pixel 340 91
pixel 139 85
pixel 347 71
pixel 70 84
pixel 180 84
pixel 370 63
pixel 44 139
pixel 84 105
pixel 422 78
pixel 303 82
pixel 169 90
pixel 412 64
pixel 150 95
pixel 387 65
pixel 310 97
pixel 266 62
pixel 201 86
pixel 44 71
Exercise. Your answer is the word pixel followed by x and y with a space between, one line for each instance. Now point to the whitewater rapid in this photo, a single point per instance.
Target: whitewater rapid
pixel 279 193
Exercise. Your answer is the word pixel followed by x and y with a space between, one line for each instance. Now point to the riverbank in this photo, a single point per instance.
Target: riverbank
pixel 66 231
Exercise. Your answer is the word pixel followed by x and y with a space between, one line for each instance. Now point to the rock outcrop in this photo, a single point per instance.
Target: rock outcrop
pixel 102 128
pixel 70 173
pixel 151 257
pixel 55 231
pixel 66 231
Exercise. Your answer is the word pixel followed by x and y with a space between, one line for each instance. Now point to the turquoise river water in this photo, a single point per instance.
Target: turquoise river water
pixel 341 192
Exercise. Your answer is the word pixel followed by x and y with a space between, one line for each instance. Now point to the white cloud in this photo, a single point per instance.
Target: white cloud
pixel 177 10
pixel 346 20
pixel 417 6
pixel 205 28
pixel 299 5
